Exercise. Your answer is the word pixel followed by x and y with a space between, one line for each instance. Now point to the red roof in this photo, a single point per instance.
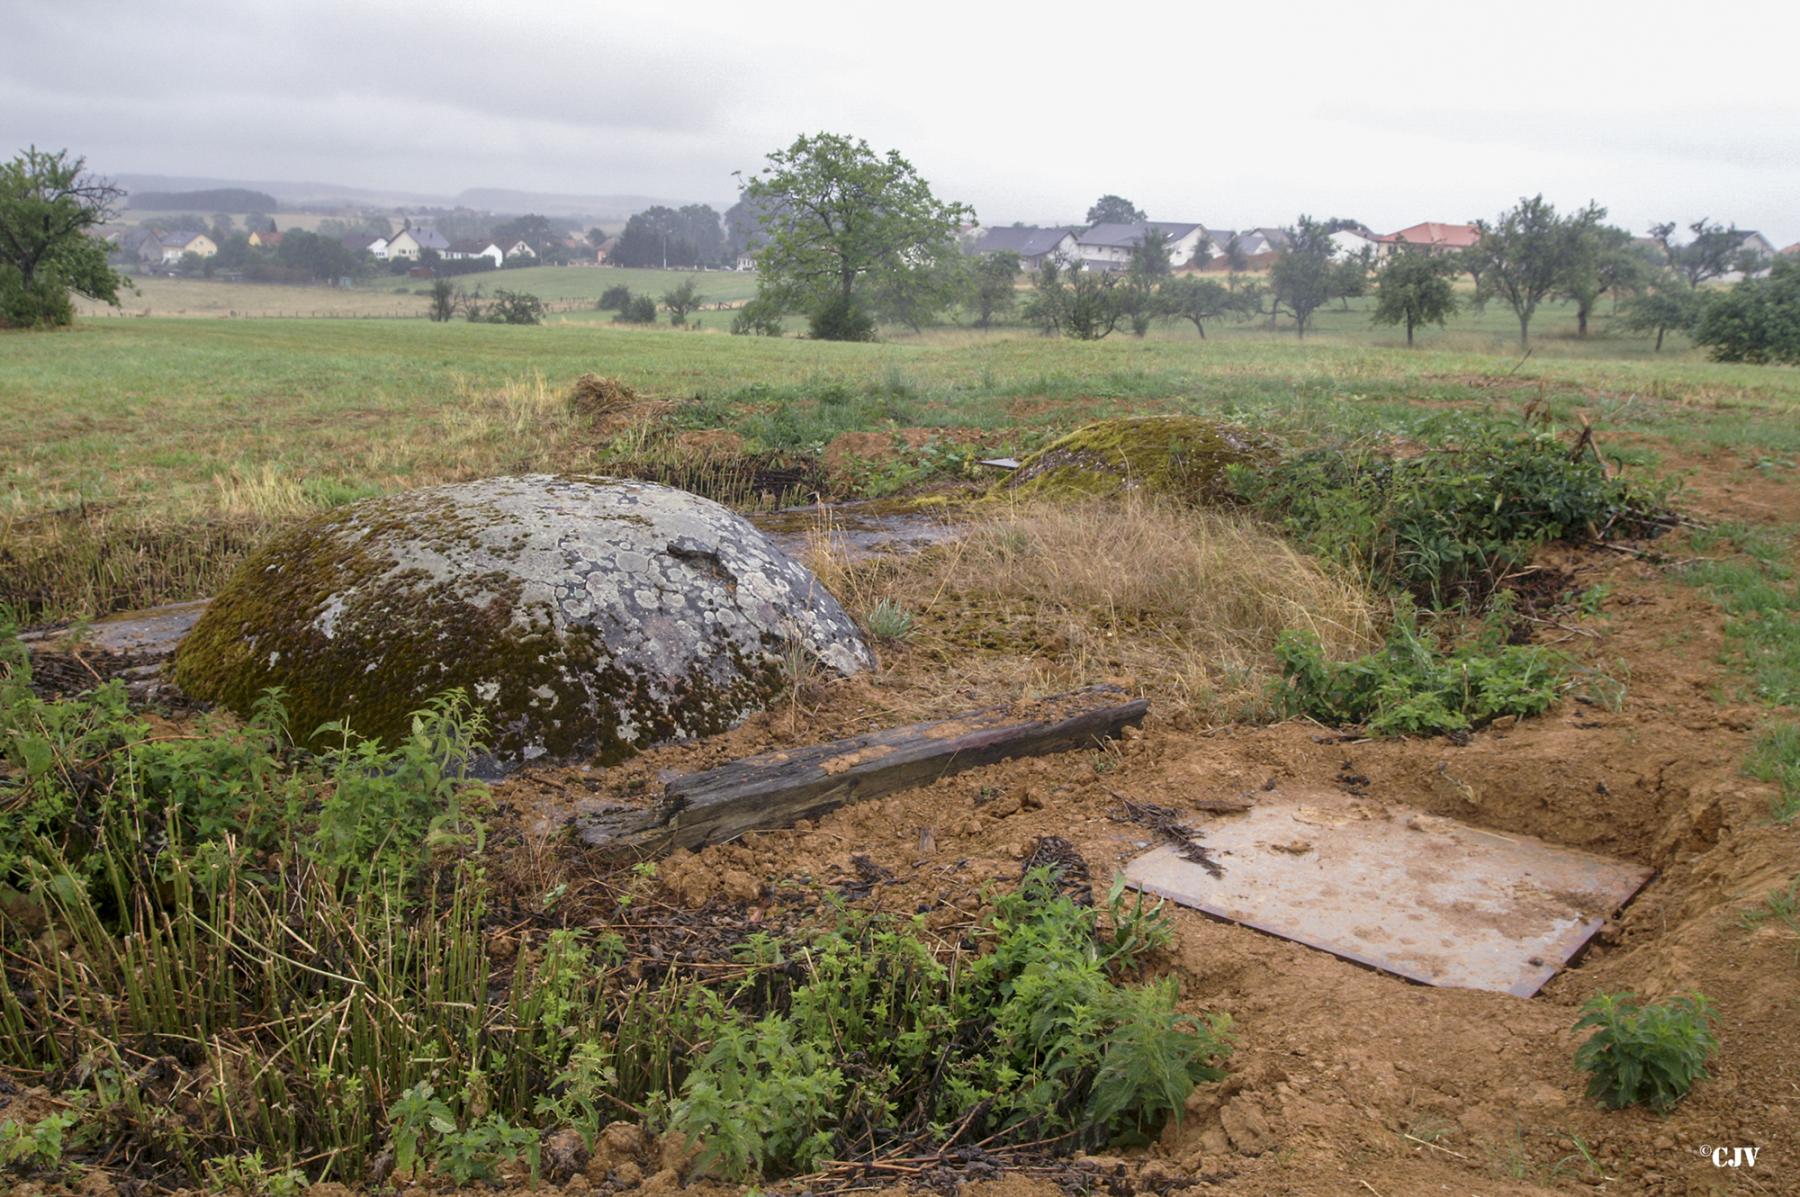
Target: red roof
pixel 1431 233
pixel 1792 249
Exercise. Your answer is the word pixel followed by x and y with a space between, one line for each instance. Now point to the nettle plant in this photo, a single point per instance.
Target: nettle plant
pixel 1650 1053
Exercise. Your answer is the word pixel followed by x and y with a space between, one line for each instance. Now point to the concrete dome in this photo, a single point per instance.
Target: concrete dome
pixel 584 616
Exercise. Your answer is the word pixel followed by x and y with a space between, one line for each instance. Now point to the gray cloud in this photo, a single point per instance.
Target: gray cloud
pixel 1396 111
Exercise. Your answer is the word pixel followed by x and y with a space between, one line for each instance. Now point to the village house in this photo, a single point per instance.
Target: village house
pixel 479 247
pixel 1033 244
pixel 175 246
pixel 1755 246
pixel 265 238
pixel 1351 243
pixel 365 243
pixel 520 248
pixel 605 250
pixel 1108 246
pixel 1431 237
pixel 409 243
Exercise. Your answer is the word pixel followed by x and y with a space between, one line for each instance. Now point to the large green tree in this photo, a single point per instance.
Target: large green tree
pixel 838 220
pixel 1525 255
pixel 48 204
pixel 1414 288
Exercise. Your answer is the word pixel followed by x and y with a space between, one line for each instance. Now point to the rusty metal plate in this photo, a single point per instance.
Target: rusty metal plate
pixel 1394 888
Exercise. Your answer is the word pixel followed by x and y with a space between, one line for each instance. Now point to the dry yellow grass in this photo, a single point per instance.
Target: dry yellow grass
pixel 1185 603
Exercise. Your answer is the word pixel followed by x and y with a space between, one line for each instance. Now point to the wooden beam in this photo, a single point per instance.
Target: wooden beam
pixel 777 789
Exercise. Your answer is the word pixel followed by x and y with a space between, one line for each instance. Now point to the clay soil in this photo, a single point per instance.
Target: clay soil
pixel 1347 1080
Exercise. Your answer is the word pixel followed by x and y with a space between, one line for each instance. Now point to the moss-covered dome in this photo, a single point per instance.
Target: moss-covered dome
pixel 1182 456
pixel 584 616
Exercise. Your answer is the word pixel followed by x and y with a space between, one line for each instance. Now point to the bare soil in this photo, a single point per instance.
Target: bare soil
pixel 1347 1080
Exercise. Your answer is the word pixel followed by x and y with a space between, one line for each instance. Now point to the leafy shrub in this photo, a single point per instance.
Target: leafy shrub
pixel 1445 526
pixel 1412 687
pixel 1649 1053
pixel 759 317
pixel 614 298
pixel 841 320
pixel 1758 320
pixel 639 309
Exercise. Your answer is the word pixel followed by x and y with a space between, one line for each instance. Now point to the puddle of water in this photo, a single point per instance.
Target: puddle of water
pixel 856 531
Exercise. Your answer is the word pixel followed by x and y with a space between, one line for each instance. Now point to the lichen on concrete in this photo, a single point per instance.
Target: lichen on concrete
pixel 586 617
pixel 1185 457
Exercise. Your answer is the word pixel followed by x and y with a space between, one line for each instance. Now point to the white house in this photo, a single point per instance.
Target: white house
pixel 1108 246
pixel 477 248
pixel 410 242
pixel 1349 243
pixel 1033 244
pixel 520 248
pixel 176 245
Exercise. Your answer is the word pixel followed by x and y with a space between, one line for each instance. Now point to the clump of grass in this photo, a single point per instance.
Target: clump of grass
pixel 1781 906
pixel 1776 758
pixel 1188 602
pixel 890 622
pixel 1650 1052
pixel 1412 686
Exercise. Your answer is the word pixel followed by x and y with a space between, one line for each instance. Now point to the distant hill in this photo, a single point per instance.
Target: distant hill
pixel 501 201
pixel 618 207
pixel 217 199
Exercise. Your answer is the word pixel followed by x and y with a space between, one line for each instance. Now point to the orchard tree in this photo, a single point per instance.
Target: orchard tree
pixel 837 220
pixel 1711 250
pixel 1525 255
pixel 48 202
pixel 681 301
pixel 1086 305
pixel 1303 275
pixel 1414 289
pixel 1668 303
pixel 1198 300
pixel 1115 209
pixel 1602 261
pixel 996 281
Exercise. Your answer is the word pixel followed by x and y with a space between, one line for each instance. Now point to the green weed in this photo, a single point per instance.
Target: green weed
pixel 1650 1053
pixel 1411 686
pixel 890 622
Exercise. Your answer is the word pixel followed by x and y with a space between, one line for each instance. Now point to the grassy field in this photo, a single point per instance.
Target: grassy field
pixel 181 424
pixel 393 297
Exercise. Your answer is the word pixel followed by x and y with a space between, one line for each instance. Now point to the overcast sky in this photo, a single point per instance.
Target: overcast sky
pixel 1388 111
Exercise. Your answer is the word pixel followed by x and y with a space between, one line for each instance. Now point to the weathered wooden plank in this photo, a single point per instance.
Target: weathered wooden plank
pixel 776 789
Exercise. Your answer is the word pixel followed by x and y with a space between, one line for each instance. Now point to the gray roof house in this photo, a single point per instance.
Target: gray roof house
pixel 1031 242
pixel 1108 246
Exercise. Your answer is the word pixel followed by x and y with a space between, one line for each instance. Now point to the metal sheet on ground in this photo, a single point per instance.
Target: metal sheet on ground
pixel 1422 896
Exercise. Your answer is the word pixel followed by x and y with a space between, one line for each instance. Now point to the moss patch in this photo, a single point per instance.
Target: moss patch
pixel 1180 456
